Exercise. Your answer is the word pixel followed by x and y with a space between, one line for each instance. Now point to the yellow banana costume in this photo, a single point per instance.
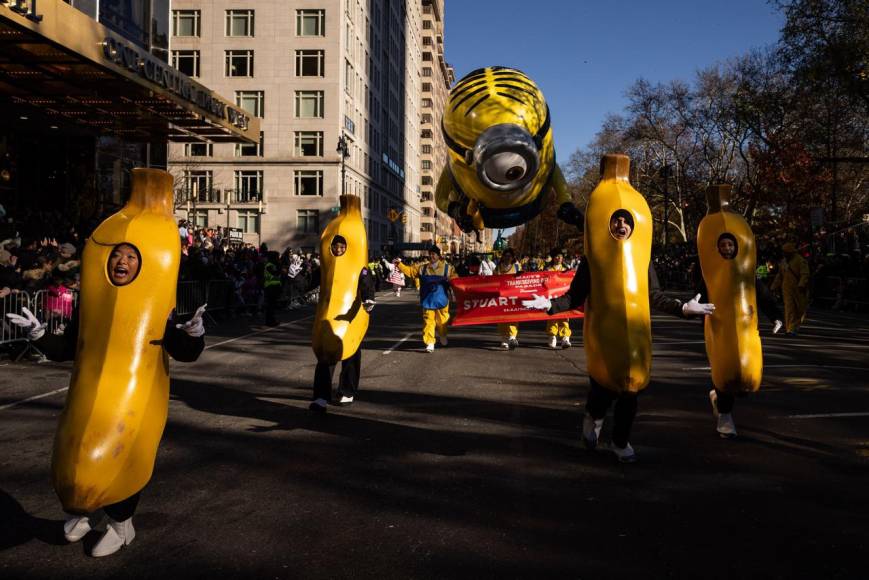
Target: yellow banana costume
pixel 117 404
pixel 501 153
pixel 732 337
pixel 341 322
pixel 617 327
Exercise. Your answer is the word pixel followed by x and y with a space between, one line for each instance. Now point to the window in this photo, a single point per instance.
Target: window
pixel 198 150
pixel 426 212
pixel 185 22
pixel 349 78
pixel 426 149
pixel 248 221
pixel 426 56
pixel 426 41
pixel 426 134
pixel 239 63
pixel 251 101
pixel 425 226
pixel 427 180
pixel 308 221
pixel 309 63
pixel 248 186
pixel 197 185
pixel 426 196
pixel 309 182
pixel 199 218
pixel 426 71
pixel 309 143
pixel 426 118
pixel 251 149
pixel 426 87
pixel 426 24
pixel 426 165
pixel 309 104
pixel 239 23
pixel 427 103
pixel 310 22
pixel 186 61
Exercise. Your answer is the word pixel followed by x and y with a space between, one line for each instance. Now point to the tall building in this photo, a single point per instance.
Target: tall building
pixel 313 71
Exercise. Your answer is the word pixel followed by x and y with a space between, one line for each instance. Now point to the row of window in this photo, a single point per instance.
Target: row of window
pixel 197 185
pixel 240 63
pixel 240 22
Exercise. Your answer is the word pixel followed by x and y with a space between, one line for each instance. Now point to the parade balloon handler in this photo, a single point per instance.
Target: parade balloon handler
pixel 348 379
pixel 617 334
pixel 727 255
pixel 183 342
pixel 793 281
pixel 434 295
pixel 502 170
pixel 558 328
pixel 508 333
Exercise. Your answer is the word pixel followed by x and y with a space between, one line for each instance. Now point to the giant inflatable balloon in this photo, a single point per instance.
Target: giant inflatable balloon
pixel 118 399
pixel 617 328
pixel 502 169
pixel 727 251
pixel 341 322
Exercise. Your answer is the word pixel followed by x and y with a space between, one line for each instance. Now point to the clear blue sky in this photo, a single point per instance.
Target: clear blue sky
pixel 585 53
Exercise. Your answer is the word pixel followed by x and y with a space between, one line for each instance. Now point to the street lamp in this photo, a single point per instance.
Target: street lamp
pixel 344 150
pixel 665 172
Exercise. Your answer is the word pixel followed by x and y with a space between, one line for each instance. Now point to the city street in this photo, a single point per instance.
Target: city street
pixel 467 463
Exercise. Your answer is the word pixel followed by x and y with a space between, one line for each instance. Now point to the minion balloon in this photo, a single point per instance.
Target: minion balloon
pixel 501 171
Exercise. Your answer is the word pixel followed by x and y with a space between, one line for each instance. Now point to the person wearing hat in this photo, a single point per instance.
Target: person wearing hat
pixel 509 333
pixel 793 281
pixel 557 328
pixel 434 278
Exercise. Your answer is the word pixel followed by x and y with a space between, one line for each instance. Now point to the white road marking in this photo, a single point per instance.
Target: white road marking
pixel 33 398
pixel 399 343
pixel 826 415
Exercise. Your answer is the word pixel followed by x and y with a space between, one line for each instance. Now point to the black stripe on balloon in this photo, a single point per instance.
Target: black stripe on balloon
pixel 469 95
pixel 483 98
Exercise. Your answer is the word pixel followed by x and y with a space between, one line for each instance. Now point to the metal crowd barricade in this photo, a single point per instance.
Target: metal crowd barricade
pixel 12 304
pixel 189 296
pixel 54 308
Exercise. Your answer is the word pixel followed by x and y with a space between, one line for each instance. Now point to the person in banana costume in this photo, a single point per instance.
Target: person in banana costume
pixel 557 328
pixel 792 279
pixel 725 244
pixel 119 337
pixel 347 296
pixel 434 295
pixel 616 283
pixel 502 170
pixel 507 264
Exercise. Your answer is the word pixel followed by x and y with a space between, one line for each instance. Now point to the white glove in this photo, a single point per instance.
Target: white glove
pixel 194 327
pixel 777 326
pixel 694 308
pixel 29 323
pixel 539 303
pixel 368 305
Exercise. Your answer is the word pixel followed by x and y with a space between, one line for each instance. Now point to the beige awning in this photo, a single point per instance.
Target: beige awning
pixel 75 70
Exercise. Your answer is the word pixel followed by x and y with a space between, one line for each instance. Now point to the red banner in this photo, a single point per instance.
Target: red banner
pixel 498 299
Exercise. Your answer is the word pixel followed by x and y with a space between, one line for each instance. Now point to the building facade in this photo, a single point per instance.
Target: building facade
pixel 312 71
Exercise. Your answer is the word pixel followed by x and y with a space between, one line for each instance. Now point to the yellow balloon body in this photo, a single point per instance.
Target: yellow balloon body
pixel 617 325
pixel 116 407
pixel 486 98
pixel 732 337
pixel 341 322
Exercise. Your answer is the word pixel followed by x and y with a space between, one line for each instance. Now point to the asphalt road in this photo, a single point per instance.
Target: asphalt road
pixel 467 463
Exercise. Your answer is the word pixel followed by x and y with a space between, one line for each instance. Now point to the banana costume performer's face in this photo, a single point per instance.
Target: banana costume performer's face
pixel 124 264
pixel 501 155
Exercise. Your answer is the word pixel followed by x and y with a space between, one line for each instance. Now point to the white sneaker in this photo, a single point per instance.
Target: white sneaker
pixel 726 427
pixel 443 340
pixel 513 342
pixel 591 431
pixel 505 346
pixel 626 454
pixel 565 342
pixel 553 342
pixel 345 400
pixel 77 527
pixel 118 535
pixel 429 347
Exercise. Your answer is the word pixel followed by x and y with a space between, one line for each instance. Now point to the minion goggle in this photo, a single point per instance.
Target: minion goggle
pixel 506 157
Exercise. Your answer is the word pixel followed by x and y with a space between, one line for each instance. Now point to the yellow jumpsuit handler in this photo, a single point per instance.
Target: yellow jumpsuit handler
pixel 120 335
pixel 558 328
pixel 509 333
pixel 793 281
pixel 434 283
pixel 616 284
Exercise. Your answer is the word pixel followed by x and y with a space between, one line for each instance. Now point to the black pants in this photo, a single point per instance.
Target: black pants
pixel 348 380
pixel 123 510
pixel 725 401
pixel 273 293
pixel 599 401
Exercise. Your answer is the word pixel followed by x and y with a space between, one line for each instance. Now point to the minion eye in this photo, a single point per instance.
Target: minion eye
pixel 506 168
